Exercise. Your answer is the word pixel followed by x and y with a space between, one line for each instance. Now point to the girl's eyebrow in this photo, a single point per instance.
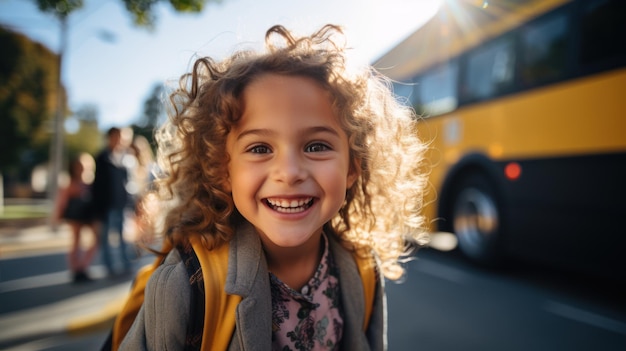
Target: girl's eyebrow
pixel 269 132
pixel 260 132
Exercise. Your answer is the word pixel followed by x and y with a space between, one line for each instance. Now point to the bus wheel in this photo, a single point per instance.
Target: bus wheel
pixel 476 219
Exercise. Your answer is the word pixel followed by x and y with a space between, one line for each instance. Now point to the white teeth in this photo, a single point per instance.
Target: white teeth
pixel 289 204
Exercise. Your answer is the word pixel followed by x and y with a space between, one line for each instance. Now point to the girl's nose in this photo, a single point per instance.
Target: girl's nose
pixel 289 168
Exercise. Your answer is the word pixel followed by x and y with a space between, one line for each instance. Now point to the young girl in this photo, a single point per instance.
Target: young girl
pixel 74 205
pixel 300 168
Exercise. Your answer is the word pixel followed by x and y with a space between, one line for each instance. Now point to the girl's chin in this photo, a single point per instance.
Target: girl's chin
pixel 288 242
pixel 289 238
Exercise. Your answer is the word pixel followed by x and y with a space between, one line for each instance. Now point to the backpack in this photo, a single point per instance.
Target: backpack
pixel 217 322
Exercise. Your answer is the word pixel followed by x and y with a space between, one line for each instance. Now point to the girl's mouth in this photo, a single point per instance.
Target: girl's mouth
pixel 289 205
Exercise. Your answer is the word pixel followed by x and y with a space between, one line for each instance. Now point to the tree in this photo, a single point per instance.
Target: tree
pixel 60 8
pixel 143 10
pixel 87 137
pixel 143 13
pixel 153 115
pixel 153 112
pixel 27 101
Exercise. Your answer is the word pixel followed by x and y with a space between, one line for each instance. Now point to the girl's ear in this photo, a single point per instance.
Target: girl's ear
pixel 353 173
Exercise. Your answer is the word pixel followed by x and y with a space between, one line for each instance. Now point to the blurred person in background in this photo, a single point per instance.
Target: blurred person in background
pixel 74 205
pixel 141 185
pixel 112 197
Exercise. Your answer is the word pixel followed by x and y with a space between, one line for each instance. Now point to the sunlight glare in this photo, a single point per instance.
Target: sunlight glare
pixel 443 241
pixel 387 22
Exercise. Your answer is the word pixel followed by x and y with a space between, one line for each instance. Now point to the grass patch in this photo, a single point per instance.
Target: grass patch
pixel 24 212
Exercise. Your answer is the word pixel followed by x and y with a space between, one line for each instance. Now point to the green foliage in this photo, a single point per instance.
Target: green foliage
pixel 143 11
pixel 28 88
pixel 87 138
pixel 28 91
pixel 153 113
pixel 60 8
pixel 24 212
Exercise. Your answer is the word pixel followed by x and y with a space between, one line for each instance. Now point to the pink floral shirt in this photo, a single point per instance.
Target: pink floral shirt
pixel 310 319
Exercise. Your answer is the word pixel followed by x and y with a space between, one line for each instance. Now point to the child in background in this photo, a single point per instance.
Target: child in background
pixel 296 165
pixel 75 206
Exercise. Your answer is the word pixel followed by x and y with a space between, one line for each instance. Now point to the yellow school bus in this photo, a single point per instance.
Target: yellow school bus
pixel 524 103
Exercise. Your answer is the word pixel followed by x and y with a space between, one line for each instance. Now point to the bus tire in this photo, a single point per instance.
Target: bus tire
pixel 477 219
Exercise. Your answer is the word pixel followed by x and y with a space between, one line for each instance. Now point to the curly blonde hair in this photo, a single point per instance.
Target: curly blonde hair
pixel 381 212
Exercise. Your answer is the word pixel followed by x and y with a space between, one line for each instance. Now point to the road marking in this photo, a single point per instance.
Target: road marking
pixel 441 271
pixel 54 317
pixel 586 317
pixel 43 280
pixel 62 277
pixel 42 344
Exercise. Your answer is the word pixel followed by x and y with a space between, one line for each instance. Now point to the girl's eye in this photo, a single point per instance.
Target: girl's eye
pixel 259 149
pixel 317 147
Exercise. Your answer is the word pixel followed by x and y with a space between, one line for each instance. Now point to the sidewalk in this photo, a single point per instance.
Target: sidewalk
pixel 34 239
pixel 29 237
pixel 88 313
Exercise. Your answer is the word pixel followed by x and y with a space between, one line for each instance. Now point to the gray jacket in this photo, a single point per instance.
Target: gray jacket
pixel 162 320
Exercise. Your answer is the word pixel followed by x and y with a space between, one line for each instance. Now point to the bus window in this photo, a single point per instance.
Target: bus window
pixel 603 32
pixel 544 50
pixel 436 91
pixel 490 70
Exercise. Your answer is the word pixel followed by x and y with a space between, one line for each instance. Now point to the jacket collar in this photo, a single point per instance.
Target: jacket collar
pixel 247 266
pixel 248 277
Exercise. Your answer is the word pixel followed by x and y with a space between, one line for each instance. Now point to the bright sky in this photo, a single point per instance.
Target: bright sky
pixel 117 74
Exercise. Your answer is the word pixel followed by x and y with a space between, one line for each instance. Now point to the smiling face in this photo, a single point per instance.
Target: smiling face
pixel 289 160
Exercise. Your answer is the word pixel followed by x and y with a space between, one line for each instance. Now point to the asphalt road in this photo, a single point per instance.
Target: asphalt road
pixel 443 304
pixel 447 304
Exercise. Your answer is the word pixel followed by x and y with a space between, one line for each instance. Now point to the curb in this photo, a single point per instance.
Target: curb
pixel 100 312
pixel 99 321
pixel 104 318
pixel 34 240
pixel 89 313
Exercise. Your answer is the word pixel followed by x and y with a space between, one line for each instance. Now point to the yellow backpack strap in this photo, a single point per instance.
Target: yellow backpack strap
pixel 127 314
pixel 219 310
pixel 367 270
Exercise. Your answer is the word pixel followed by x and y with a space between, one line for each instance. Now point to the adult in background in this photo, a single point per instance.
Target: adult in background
pixel 112 198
